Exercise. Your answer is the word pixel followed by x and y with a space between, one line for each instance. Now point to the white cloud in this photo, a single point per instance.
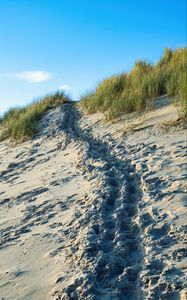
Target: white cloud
pixel 65 88
pixel 34 76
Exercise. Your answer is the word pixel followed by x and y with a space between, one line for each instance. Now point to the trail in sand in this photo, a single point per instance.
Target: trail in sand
pixel 86 214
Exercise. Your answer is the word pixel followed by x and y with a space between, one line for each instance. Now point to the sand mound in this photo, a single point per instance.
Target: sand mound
pixel 94 210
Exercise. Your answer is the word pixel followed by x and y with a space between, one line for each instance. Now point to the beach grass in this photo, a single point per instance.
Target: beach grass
pixel 137 89
pixel 20 123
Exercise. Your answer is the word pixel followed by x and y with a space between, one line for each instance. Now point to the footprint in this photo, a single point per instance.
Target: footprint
pixel 146 219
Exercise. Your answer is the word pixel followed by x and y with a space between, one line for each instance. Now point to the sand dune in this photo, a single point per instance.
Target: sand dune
pixel 94 210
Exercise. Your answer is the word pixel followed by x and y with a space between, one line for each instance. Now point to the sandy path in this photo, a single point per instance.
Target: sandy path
pixel 90 213
pixel 110 252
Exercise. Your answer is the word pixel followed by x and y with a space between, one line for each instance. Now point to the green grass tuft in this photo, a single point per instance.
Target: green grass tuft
pixel 21 123
pixel 136 90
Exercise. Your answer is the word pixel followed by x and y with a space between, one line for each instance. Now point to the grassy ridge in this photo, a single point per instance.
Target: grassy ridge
pixel 136 90
pixel 21 123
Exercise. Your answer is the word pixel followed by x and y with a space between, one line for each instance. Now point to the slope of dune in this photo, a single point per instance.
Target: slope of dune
pixel 95 210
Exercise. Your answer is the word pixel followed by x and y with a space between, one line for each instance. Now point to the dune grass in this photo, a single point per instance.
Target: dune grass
pixel 20 123
pixel 136 90
pixel 177 80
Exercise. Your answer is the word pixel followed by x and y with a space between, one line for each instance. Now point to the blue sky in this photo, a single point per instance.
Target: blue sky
pixel 72 44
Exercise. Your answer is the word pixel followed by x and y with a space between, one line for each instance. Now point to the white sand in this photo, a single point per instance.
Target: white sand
pixel 94 210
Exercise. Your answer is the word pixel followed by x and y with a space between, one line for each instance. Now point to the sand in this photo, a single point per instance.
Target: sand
pixel 91 209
